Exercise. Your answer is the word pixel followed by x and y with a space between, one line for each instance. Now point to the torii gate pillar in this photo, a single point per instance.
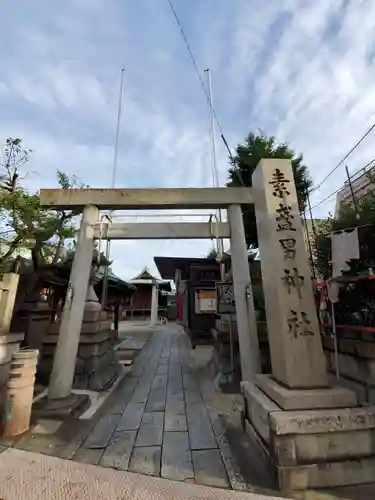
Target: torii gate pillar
pixel 62 375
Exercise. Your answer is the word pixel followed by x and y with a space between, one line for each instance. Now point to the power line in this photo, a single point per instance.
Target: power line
pixel 326 198
pixel 341 187
pixel 195 64
pixel 345 157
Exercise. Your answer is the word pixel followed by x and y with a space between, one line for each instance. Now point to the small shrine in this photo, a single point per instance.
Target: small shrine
pixel 149 300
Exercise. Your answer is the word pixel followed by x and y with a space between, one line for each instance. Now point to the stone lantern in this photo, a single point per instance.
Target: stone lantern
pixel 96 365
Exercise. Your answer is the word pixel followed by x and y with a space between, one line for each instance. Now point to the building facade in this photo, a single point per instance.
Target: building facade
pixel 362 183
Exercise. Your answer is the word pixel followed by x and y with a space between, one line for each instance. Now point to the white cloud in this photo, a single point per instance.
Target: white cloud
pixel 315 89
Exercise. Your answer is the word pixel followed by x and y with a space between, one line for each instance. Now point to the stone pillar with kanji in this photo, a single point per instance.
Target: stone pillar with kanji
pixel 296 350
pixel 309 430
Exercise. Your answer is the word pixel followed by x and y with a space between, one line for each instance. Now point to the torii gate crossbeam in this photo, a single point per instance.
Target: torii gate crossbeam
pixel 145 199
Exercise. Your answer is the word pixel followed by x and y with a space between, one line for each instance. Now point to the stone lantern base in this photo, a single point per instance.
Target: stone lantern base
pixel 328 441
pixel 96 366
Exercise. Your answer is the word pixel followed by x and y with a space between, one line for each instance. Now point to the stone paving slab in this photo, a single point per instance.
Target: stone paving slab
pixel 151 430
pixel 142 392
pixel 146 460
pixel 173 422
pixel 156 400
pixel 209 468
pixel 45 426
pixel 131 418
pixel 118 452
pixel 190 382
pixel 88 456
pixel 174 383
pixel 232 467
pixel 200 431
pixel 102 432
pixel 175 405
pixel 176 460
pixel 162 369
pixel 193 396
pixel 160 381
pixel 63 444
pixel 123 397
pixel 131 344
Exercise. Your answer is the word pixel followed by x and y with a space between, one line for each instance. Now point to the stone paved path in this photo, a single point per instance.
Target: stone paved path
pixel 159 424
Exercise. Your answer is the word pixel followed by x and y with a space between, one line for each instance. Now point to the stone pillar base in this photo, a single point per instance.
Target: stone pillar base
pixel 73 406
pixel 305 399
pixel 311 448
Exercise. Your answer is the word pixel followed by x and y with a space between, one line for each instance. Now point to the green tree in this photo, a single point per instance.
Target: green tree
pixel 24 223
pixel 212 254
pixel 248 155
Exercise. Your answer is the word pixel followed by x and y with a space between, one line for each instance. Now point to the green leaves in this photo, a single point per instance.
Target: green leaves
pixel 212 254
pixel 27 223
pixel 257 146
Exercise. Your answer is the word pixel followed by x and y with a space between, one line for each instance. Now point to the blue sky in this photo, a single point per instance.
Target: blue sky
pixel 303 71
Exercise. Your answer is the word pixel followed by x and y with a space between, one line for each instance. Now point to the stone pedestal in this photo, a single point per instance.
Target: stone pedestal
pixel 309 434
pixel 33 318
pixel 96 366
pixel 311 448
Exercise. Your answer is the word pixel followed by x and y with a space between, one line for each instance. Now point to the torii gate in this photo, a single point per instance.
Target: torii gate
pixel 91 201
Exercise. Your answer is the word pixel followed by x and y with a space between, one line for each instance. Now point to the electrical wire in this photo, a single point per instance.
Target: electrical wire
pixel 345 157
pixel 326 198
pixel 341 187
pixel 195 64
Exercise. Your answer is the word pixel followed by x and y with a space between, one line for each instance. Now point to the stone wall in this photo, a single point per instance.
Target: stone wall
pixel 356 360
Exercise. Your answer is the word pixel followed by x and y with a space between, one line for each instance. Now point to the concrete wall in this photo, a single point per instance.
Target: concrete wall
pixel 356 360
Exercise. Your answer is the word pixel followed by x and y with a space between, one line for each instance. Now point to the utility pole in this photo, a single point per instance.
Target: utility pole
pixel 113 183
pixel 215 175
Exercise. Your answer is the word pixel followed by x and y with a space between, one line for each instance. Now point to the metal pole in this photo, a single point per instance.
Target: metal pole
pixel 114 170
pixel 334 333
pixel 309 245
pixel 311 216
pixel 215 175
pixel 212 130
pixel 355 204
pixel 231 346
pixel 312 226
pixel 115 155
